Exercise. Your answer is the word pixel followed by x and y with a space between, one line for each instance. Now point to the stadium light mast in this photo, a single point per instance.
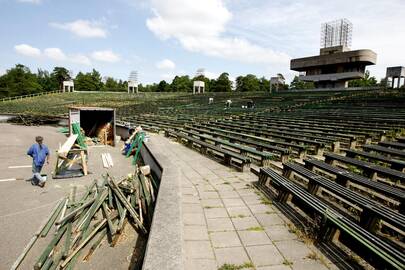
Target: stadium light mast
pixel 199 85
pixel 133 82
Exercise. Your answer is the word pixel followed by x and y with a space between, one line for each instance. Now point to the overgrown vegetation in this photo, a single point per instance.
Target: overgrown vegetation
pixel 236 267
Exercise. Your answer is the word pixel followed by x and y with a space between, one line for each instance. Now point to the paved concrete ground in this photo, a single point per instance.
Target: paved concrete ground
pixel 24 207
pixel 226 221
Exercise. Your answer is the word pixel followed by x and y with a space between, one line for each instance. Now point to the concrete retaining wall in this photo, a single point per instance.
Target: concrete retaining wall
pixel 164 247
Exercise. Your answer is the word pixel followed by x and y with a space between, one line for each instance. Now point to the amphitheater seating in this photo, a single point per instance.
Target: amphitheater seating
pixel 377 252
pixel 371 170
pixel 300 149
pixel 230 158
pixel 394 164
pixel 385 150
pixel 342 176
pixel 371 210
pixel 318 147
pixel 264 157
pixel 390 144
pixel 259 146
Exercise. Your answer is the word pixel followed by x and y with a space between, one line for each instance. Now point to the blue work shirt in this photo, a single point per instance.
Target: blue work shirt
pixel 38 154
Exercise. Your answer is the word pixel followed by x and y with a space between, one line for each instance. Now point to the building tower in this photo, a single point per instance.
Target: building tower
pixel 336 64
pixel 133 82
pixel 199 86
pixel 276 81
pixel 395 73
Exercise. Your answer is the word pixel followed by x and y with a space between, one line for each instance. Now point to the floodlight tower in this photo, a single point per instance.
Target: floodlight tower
pixel 199 86
pixel 337 33
pixel 133 82
pixel 336 64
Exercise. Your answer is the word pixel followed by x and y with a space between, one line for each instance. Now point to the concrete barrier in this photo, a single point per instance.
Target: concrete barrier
pixel 164 246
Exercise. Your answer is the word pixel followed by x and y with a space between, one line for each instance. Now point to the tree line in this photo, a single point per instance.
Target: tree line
pixel 19 80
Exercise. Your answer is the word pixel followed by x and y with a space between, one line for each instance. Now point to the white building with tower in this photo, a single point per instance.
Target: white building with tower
pixel 133 82
pixel 276 82
pixel 68 86
pixel 199 86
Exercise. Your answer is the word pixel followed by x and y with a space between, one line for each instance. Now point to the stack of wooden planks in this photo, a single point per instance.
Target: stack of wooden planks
pixel 71 159
pixel 101 213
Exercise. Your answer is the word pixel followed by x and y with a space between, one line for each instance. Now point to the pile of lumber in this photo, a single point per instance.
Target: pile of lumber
pixel 71 159
pixel 105 134
pixel 33 120
pixel 101 213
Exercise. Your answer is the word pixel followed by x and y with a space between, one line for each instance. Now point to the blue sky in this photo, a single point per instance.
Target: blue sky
pixel 163 38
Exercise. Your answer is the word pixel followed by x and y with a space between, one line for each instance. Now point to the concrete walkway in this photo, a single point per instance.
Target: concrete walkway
pixel 226 221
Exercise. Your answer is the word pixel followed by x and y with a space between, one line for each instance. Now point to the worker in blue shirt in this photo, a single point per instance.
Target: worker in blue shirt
pixel 39 153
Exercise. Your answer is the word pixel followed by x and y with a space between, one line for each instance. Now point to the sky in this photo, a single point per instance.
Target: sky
pixel 163 38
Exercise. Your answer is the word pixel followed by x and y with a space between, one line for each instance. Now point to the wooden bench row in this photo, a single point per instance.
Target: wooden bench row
pixel 371 170
pixel 343 176
pixel 262 157
pixel 318 147
pixel 298 148
pixel 393 163
pixel 229 158
pixel 283 153
pixel 371 211
pixel 376 251
pixel 350 141
pixel 385 150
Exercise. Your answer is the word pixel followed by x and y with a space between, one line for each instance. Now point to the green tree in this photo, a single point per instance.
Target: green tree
pixel 90 81
pixel 299 84
pixel 19 81
pixel 223 84
pixel 110 84
pixel 47 82
pixel 364 82
pixel 264 84
pixel 163 86
pixel 60 74
pixel 181 84
pixel 247 83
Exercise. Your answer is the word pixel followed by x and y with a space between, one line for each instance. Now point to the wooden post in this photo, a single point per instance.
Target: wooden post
pixel 84 162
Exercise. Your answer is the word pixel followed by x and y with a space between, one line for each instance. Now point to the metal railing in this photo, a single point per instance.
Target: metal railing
pixel 30 95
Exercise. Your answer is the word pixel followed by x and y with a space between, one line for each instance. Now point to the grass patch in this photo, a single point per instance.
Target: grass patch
pixel 256 229
pixel 287 262
pixel 265 201
pixel 312 256
pixel 236 267
pixel 238 216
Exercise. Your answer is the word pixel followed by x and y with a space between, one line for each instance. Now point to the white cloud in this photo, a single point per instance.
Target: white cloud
pixel 80 59
pixel 105 56
pixel 27 50
pixel 168 77
pixel 295 26
pixel 83 28
pixel 166 64
pixel 55 54
pixel 200 26
pixel 30 1
pixel 211 75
